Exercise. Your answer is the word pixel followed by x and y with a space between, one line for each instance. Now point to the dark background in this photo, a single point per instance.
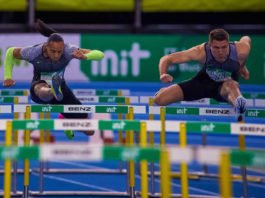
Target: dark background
pixel 165 22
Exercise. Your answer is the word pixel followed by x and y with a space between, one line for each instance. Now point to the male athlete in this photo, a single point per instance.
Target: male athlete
pixel 49 60
pixel 222 62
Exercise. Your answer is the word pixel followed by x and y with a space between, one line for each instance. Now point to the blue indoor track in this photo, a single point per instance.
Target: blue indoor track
pixel 108 183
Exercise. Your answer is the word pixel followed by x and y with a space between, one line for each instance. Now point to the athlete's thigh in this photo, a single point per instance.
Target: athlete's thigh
pixel 193 89
pixel 70 99
pixel 33 95
pixel 169 95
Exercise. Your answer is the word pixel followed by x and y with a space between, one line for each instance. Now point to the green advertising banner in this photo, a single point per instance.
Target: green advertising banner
pixel 135 58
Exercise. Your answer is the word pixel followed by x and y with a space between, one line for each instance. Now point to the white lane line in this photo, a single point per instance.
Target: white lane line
pixel 191 188
pixel 256 185
pixel 156 180
pixel 74 182
pixel 78 164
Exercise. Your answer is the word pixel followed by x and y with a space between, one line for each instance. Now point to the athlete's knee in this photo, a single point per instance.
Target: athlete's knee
pixel 159 98
pixel 38 88
pixel 43 92
pixel 229 86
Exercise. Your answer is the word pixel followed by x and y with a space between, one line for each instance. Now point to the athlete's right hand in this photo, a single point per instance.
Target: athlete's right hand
pixel 166 78
pixel 9 83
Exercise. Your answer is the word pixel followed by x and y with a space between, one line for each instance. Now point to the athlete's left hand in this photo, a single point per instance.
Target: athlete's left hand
pixel 78 54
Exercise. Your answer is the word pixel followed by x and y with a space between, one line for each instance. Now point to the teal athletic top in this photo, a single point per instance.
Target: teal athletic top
pixel 44 68
pixel 222 71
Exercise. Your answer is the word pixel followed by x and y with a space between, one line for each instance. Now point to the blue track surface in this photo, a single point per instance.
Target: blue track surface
pixel 117 182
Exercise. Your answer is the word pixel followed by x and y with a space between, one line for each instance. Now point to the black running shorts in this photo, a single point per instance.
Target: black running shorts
pixel 68 99
pixel 201 86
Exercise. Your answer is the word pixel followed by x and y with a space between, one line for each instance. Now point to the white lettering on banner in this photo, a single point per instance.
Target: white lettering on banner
pixel 12 92
pixel 106 92
pixel 129 153
pixel 248 129
pixel 118 126
pixel 32 125
pixel 253 113
pixel 209 127
pixel 88 99
pixel 76 124
pixel 259 160
pixel 10 153
pixel 120 67
pixel 111 99
pixel 181 111
pixel 46 109
pixel 254 129
pixel 187 67
pixel 216 112
pixel 111 109
pixel 81 109
pixel 84 92
pixel 79 152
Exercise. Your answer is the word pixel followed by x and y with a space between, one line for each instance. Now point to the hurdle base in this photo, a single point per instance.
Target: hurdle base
pixel 12 194
pixel 96 194
pixel 75 171
pixel 198 175
pixel 78 194
pixel 158 195
pixel 19 171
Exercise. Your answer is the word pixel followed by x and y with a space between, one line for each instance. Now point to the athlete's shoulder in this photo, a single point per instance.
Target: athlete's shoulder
pixel 243 49
pixel 69 46
pixel 199 51
pixel 69 49
pixel 29 53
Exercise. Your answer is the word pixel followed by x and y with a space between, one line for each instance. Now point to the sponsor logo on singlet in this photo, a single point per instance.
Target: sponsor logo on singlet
pixel 47 76
pixel 218 75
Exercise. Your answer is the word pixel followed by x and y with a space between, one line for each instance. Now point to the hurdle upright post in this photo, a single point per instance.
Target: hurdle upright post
pixel 183 166
pixel 26 161
pixel 242 146
pixel 143 163
pixel 163 126
pixel 120 133
pixel 165 178
pixel 42 140
pixel 47 137
pixel 152 142
pixel 131 168
pixel 225 175
pixel 15 167
pixel 8 162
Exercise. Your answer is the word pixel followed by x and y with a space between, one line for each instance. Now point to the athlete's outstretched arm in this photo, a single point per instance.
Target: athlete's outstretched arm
pixel 244 46
pixel 12 53
pixel 246 40
pixel 193 54
pixel 86 54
